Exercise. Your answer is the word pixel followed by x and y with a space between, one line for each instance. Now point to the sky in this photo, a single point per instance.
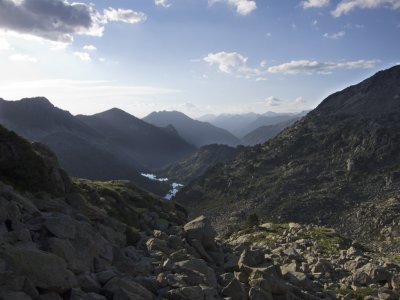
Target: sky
pixel 195 56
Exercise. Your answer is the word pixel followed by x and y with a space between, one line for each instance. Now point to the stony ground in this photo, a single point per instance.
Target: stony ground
pixel 113 241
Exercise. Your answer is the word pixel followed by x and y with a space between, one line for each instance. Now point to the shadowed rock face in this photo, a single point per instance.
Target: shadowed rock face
pixel 323 169
pixel 31 167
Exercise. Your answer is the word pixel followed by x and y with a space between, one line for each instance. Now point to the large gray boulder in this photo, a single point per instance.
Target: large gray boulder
pixel 235 290
pixel 45 270
pixel 200 229
pixel 118 287
pixel 200 266
pixel 61 226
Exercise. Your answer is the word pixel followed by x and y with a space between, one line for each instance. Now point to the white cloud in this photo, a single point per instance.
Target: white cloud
pixel 300 100
pixel 84 56
pixel 243 7
pixel 23 58
pixel 314 3
pixel 163 3
pixel 4 44
pixel 346 6
pixel 273 101
pixel 336 35
pixel 124 15
pixel 89 48
pixel 227 62
pixel 310 67
pixel 60 20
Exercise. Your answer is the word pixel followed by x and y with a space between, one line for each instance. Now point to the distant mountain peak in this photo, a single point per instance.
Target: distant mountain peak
pixel 37 101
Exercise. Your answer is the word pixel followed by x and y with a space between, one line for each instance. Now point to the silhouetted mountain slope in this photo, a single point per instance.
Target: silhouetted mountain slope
pixel 342 156
pixel 35 118
pixel 195 132
pixel 132 139
pixel 265 133
pixel 193 166
pixel 111 145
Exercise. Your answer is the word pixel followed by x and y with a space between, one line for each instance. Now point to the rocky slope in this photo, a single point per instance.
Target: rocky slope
pixel 195 132
pixel 193 166
pixel 340 161
pixel 110 240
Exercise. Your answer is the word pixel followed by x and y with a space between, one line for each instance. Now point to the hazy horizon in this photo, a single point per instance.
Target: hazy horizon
pixel 194 56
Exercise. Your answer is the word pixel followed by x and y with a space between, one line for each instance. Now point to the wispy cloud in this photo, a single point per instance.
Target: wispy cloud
pixel 233 63
pixel 314 3
pixel 227 62
pixel 311 67
pixel 18 57
pixel 163 3
pixel 273 101
pixel 89 48
pixel 84 56
pixel 346 6
pixel 124 15
pixel 243 7
pixel 335 36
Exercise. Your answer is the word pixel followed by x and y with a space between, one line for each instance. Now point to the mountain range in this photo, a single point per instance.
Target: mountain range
pixel 242 125
pixel 105 146
pixel 338 166
pixel 195 132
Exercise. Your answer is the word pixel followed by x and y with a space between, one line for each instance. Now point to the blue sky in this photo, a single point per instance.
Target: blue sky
pixel 196 56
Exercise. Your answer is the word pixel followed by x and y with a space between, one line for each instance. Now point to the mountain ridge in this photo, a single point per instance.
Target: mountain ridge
pixel 89 152
pixel 320 170
pixel 195 132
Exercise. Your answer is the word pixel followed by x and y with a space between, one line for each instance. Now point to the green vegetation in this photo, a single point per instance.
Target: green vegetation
pixel 127 203
pixel 253 220
pixel 327 239
pixel 359 294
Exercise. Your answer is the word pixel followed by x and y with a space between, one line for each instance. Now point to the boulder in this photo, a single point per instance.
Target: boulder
pixel 259 294
pixel 251 258
pixel 200 229
pixel 121 287
pixel 45 270
pixel 200 266
pixel 185 293
pixel 12 295
pixel 155 244
pixel 234 290
pixel 371 273
pixel 60 225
